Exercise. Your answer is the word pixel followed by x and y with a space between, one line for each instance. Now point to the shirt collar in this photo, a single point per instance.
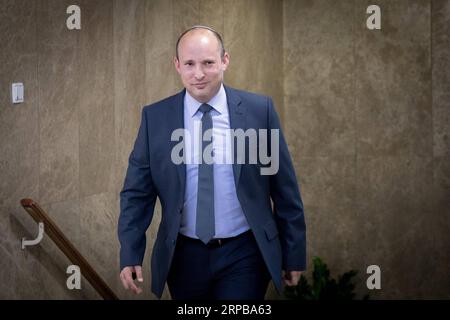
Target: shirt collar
pixel 218 102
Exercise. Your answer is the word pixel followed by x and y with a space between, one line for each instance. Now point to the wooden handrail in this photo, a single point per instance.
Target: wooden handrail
pixel 52 230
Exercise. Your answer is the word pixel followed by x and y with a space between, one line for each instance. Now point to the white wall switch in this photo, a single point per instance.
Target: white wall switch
pixel 17 92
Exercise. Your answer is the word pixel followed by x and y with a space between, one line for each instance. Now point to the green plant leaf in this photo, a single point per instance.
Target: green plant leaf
pixel 323 287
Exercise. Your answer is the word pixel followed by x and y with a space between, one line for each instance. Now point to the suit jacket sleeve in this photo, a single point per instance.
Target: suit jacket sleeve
pixel 288 205
pixel 137 201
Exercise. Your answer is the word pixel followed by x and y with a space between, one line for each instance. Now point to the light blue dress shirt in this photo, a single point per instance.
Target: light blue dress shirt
pixel 229 217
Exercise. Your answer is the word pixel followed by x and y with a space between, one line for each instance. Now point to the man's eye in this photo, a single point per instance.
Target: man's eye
pixel 189 63
pixel 209 62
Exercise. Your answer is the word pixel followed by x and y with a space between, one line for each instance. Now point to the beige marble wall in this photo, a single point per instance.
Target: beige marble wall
pixel 366 114
pixel 19 141
pixel 440 48
pixel 253 36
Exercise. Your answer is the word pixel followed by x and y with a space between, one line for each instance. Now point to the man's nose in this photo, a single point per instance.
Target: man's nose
pixel 199 74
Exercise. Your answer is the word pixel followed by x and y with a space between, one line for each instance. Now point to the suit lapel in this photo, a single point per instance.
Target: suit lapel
pixel 237 113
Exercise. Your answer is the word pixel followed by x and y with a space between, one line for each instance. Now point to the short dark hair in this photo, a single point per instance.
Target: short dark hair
pixel 219 38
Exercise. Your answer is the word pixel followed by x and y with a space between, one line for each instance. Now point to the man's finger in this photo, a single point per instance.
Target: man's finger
pixel 124 277
pixel 138 270
pixel 288 279
pixel 291 278
pixel 129 283
pixel 135 288
pixel 124 282
pixel 289 282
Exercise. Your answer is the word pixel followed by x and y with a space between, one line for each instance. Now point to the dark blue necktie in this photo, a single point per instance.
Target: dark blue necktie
pixel 205 228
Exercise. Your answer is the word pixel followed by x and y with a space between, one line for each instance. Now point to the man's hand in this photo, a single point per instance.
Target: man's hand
pixel 291 278
pixel 126 276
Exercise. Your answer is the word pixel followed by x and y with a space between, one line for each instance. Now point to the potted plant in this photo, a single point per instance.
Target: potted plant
pixel 324 287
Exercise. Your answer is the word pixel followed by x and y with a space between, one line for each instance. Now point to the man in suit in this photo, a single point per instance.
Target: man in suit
pixel 226 229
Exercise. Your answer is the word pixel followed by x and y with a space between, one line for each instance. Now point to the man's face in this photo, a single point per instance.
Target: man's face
pixel 200 64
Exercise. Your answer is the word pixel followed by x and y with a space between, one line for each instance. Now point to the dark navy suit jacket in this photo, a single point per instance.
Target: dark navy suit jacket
pixel 279 230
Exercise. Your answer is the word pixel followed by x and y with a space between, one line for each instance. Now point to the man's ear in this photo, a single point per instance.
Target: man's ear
pixel 176 62
pixel 225 61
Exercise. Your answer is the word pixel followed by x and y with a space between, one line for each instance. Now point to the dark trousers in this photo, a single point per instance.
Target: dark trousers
pixel 230 270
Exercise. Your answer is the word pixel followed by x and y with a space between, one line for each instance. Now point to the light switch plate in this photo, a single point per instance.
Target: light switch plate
pixel 17 92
